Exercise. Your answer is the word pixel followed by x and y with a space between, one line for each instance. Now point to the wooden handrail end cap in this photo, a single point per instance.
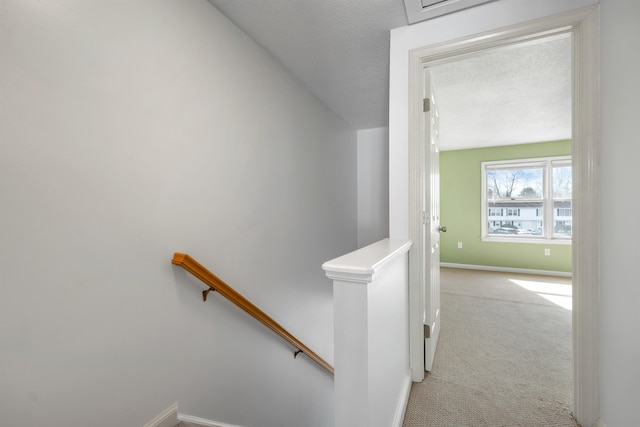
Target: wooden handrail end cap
pixel 178 258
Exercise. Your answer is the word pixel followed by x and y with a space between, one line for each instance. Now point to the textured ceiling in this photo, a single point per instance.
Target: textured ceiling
pixel 339 49
pixel 508 96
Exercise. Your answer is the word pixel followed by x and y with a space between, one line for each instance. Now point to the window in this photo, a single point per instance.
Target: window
pixel 527 200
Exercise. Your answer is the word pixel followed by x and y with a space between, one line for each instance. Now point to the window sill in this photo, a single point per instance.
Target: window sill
pixel 505 239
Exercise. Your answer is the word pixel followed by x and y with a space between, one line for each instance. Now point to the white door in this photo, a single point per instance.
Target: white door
pixel 431 224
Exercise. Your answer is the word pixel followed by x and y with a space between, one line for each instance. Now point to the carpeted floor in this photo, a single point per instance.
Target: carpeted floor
pixel 504 356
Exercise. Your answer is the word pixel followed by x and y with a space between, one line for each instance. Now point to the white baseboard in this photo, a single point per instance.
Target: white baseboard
pixel 203 422
pixel 401 409
pixel 506 269
pixel 168 418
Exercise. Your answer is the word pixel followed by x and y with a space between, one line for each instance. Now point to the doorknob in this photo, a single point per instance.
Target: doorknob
pixel 442 229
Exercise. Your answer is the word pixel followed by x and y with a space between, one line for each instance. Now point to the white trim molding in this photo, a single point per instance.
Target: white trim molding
pixel 583 24
pixel 506 269
pixel 170 417
pixel 167 418
pixel 403 401
pixel 203 422
pixel 363 265
pixel 586 221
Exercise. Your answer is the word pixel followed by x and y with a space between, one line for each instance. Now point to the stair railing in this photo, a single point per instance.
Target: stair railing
pixel 218 285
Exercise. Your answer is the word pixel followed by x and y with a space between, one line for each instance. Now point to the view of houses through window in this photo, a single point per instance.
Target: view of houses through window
pixel 527 199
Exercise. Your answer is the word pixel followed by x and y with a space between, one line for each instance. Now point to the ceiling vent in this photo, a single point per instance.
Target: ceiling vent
pixel 420 10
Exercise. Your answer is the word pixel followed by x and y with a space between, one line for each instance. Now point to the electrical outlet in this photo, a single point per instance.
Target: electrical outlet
pixel 459 245
pixel 547 252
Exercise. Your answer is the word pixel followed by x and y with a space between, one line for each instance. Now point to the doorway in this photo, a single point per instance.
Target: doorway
pixel 583 26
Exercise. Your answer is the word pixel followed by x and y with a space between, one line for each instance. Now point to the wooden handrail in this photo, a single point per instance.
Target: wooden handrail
pixel 217 284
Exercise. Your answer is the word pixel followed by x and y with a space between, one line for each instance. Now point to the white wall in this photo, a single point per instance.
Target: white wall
pixel 619 290
pixel 373 185
pixel 131 130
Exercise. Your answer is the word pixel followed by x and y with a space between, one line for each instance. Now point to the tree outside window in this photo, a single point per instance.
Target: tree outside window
pixel 536 191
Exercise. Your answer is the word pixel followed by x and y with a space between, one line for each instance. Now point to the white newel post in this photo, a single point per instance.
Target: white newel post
pixel 371 332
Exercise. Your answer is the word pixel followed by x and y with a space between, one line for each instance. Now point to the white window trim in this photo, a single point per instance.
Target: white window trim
pixel 547 202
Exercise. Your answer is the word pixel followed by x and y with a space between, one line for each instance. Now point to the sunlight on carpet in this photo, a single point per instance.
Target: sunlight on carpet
pixel 557 293
pixel 504 356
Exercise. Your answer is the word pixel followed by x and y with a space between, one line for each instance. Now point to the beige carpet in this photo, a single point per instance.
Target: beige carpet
pixel 504 356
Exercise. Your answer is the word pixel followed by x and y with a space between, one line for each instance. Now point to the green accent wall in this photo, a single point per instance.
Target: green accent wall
pixel 460 211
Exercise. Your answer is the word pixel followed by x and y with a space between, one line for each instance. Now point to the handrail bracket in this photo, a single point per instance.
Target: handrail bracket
pixel 206 293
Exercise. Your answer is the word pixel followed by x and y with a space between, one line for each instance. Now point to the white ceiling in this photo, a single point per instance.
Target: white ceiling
pixel 339 49
pixel 508 96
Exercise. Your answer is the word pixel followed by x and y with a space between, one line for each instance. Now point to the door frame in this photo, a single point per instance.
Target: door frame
pixel 584 25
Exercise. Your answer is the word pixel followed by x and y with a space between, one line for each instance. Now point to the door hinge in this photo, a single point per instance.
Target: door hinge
pixel 426 105
pixel 427 331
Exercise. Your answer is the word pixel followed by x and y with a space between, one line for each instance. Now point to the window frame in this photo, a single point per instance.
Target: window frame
pixel 546 164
